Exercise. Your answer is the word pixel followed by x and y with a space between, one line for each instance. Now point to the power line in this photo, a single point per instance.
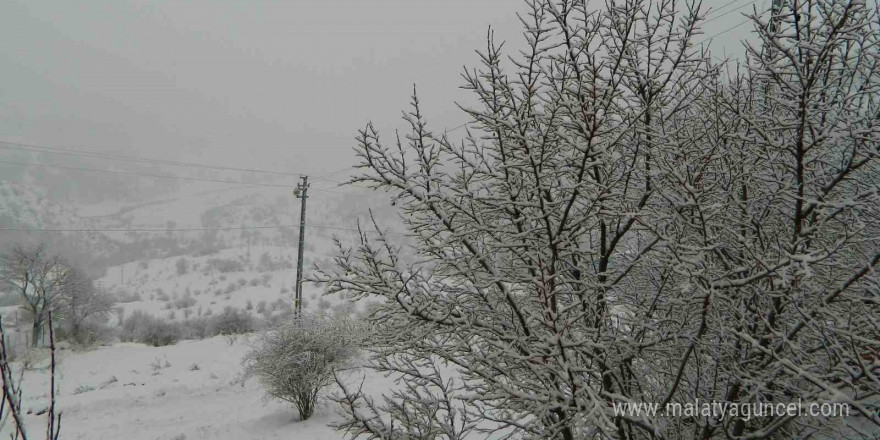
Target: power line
pixel 721 8
pixel 456 127
pixel 746 21
pixel 82 153
pixel 322 176
pixel 730 11
pixel 724 31
pixel 162 176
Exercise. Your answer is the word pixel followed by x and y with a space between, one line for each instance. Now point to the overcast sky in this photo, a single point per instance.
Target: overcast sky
pixel 279 85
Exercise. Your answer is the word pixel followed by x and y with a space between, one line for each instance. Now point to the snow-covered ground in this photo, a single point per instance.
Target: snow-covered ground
pixel 191 390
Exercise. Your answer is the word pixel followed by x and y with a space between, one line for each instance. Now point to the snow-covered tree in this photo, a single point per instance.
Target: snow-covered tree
pixel 628 221
pixel 38 277
pixel 793 274
pixel 80 304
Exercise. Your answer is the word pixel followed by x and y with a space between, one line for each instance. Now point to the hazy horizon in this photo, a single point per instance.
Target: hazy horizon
pixel 269 85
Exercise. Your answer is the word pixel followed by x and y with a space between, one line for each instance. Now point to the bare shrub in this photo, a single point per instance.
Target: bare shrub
pixel 182 266
pixel 159 364
pixel 161 295
pixel 196 328
pixel 146 329
pixel 83 389
pixel 296 360
pixel 232 321
pixel 186 301
pixel 225 265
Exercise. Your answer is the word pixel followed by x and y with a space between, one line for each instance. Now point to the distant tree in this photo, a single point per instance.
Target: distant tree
pixel 181 266
pixel 39 277
pixel 82 302
pixel 265 263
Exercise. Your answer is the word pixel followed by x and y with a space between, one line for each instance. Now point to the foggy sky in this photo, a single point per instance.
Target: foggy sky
pixel 280 85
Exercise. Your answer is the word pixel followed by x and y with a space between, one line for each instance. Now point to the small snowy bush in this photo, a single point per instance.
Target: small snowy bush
pixel 83 389
pixel 232 321
pixel 182 266
pixel 146 329
pixel 196 328
pixel 184 302
pixel 225 265
pixel 159 333
pixel 296 360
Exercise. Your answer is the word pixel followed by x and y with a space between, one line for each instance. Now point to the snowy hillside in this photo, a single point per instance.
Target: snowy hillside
pixel 259 279
pixel 198 218
pixel 28 206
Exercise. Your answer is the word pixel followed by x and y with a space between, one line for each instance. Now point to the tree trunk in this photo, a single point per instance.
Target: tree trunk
pixel 74 330
pixel 37 333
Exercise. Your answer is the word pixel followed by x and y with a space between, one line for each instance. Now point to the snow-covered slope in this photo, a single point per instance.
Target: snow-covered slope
pixel 258 279
pixel 27 206
pixel 188 391
pixel 202 216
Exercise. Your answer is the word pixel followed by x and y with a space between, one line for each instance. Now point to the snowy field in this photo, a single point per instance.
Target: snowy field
pixel 191 390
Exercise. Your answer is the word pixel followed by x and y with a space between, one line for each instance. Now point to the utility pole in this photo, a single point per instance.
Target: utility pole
pixel 773 28
pixel 775 15
pixel 301 193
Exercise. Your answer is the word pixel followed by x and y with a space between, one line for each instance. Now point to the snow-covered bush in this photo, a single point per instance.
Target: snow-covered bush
pixel 182 266
pixel 225 265
pixel 296 360
pixel 159 332
pixel 90 332
pixel 232 321
pixel 196 328
pixel 161 295
pixel 147 329
pixel 186 301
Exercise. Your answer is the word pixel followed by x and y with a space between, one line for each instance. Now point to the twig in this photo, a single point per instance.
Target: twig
pixel 52 431
pixel 11 395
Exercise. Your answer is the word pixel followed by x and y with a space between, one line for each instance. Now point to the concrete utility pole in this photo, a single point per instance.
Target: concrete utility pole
pixel 775 12
pixel 773 28
pixel 301 193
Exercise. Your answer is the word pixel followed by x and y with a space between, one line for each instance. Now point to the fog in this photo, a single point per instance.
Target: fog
pixel 267 84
